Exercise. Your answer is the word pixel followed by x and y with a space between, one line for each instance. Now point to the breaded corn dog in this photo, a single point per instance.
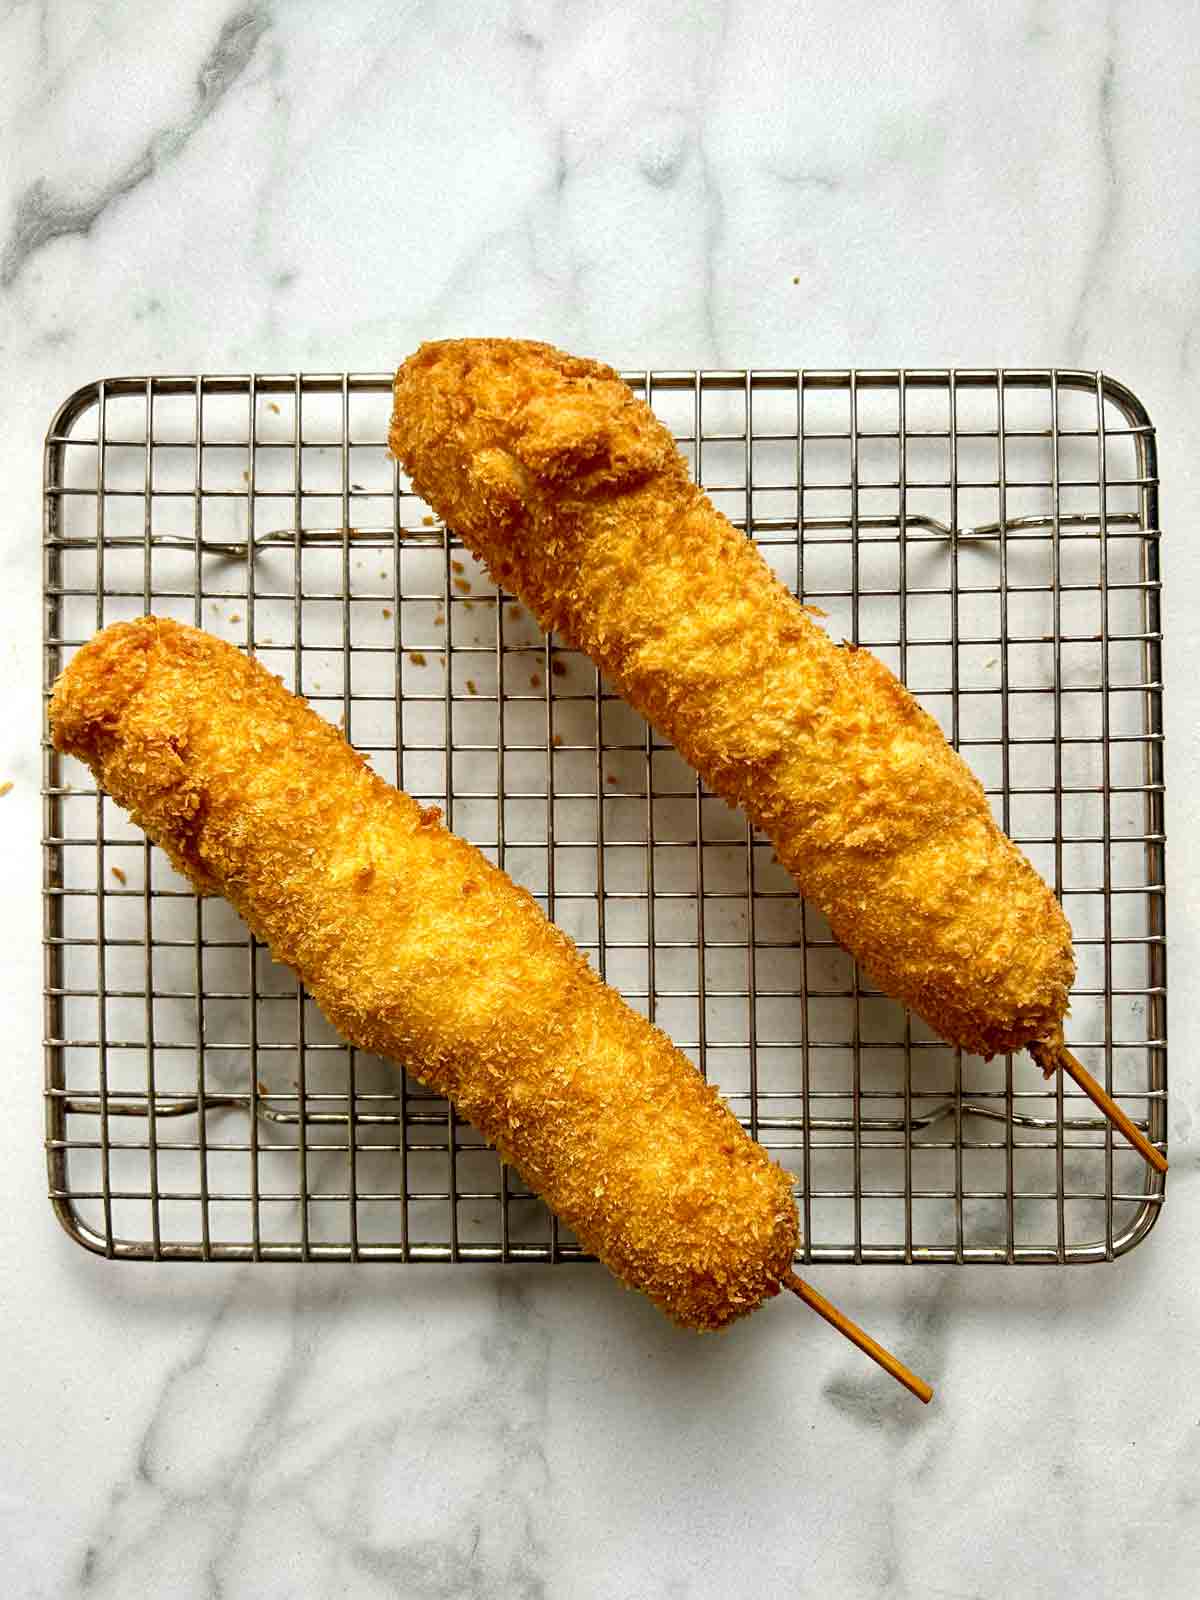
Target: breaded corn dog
pixel 417 948
pixel 577 499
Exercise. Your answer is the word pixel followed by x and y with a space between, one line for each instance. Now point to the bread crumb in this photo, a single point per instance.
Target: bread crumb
pixel 429 522
pixel 457 566
pixel 245 476
pixel 417 657
pixel 514 612
pixel 609 778
pixel 557 738
pixel 471 686
pixel 235 616
pixel 271 406
pixel 462 585
pixel 5 788
pixel 387 611
pixel 439 621
pixel 119 875
pixel 558 668
pixel 814 611
pixel 535 680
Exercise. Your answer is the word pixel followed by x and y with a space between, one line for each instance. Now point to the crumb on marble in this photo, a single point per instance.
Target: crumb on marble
pixel 119 874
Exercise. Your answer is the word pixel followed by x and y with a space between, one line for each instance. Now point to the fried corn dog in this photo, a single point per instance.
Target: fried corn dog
pixel 577 499
pixel 417 948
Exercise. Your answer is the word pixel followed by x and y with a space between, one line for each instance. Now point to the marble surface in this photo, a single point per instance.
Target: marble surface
pixel 273 187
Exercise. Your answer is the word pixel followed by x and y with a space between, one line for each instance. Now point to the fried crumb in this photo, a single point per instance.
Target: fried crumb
pixel 514 612
pixel 471 686
pixel 235 616
pixel 535 680
pixel 439 621
pixel 271 406
pixel 795 280
pixel 429 522
pixel 387 611
pixel 462 585
pixel 5 788
pixel 814 611
pixel 245 476
pixel 558 668
pixel 610 777
pixel 417 657
pixel 557 739
pixel 992 663
pixel 457 566
pixel 119 874
pixel 262 1088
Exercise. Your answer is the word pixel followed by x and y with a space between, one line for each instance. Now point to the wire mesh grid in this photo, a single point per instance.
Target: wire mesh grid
pixel 992 535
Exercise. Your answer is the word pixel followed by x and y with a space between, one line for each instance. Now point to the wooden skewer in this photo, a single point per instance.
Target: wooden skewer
pixel 1111 1109
pixel 855 1334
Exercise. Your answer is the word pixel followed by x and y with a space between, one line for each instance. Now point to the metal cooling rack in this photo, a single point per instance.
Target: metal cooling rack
pixel 993 535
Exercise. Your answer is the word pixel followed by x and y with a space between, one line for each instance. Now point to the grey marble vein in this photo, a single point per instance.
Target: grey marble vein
pixel 41 214
pixel 1099 258
pixel 280 1447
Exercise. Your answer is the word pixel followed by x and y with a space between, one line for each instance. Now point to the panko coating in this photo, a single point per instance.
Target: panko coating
pixel 417 948
pixel 577 499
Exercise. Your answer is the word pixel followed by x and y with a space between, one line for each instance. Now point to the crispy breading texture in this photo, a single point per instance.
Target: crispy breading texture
pixel 417 948
pixel 577 499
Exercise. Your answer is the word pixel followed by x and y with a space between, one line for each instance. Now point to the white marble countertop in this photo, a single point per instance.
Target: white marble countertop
pixel 280 187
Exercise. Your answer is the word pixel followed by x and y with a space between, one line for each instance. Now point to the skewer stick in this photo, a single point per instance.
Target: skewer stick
pixel 1111 1109
pixel 855 1334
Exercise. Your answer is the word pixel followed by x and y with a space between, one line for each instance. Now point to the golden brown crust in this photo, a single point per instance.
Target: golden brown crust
pixel 417 948
pixel 577 499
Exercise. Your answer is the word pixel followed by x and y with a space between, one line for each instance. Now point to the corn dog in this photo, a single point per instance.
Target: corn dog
pixel 417 948
pixel 577 499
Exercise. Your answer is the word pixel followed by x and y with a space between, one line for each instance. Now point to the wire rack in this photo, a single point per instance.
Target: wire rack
pixel 992 535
